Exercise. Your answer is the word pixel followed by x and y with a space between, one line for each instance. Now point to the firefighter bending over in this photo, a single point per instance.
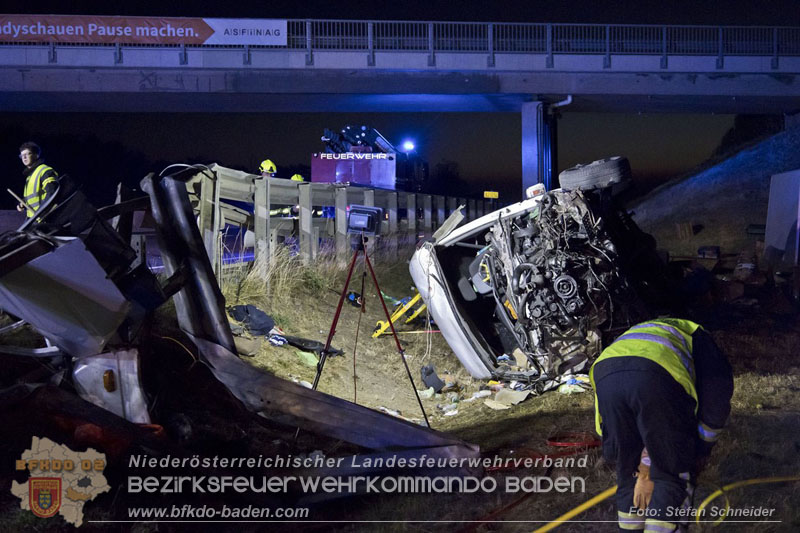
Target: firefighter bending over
pixel 662 396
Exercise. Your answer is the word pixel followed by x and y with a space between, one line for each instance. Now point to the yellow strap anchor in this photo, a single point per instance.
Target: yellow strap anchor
pixel 383 325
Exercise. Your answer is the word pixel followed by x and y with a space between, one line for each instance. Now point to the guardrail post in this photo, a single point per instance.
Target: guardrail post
pixel 51 54
pixel 370 44
pixel 309 52
pixel 340 221
pixel 369 200
pixel 549 46
pixel 431 56
pixel 273 238
pixel 490 43
pixel 305 220
pixel 774 61
pixel 369 197
pixel 392 212
pixel 721 49
pixel 183 55
pixel 440 200
pixel 607 58
pixel 411 216
pixel 452 205
pixel 664 60
pixel 261 201
pixel 246 60
pixel 427 218
pixel 117 54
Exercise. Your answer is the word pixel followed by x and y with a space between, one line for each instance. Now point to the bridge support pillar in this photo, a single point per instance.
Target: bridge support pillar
pixel 538 145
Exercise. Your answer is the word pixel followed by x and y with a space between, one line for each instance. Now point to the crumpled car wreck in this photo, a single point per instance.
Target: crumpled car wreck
pixel 71 275
pixel 527 293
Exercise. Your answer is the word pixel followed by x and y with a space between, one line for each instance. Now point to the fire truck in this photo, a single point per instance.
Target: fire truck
pixel 360 155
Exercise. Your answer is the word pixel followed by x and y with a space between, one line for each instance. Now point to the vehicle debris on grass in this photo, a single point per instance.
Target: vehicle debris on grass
pixel 71 276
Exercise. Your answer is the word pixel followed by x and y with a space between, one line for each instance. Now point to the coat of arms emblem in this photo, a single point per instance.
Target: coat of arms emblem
pixel 45 496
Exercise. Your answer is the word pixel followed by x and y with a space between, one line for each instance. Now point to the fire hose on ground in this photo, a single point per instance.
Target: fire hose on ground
pixel 720 492
pixel 580 442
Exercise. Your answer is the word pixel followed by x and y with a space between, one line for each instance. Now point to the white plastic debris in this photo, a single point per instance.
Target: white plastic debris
pixel 426 394
pixel 497 406
pixel 479 394
pixel 511 397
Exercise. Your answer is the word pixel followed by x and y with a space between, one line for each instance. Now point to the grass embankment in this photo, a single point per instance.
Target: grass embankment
pixel 302 299
pixel 761 441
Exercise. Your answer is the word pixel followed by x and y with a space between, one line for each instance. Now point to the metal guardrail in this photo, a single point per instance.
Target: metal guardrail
pixel 408 215
pixel 528 38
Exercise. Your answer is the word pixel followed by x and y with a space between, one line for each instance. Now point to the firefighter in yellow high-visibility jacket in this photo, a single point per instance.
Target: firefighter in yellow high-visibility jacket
pixel 662 396
pixel 40 179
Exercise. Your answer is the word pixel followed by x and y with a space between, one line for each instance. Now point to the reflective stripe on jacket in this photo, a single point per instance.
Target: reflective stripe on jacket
pixel 34 193
pixel 666 341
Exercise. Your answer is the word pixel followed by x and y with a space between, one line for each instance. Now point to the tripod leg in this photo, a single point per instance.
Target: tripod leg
pixel 324 354
pixel 396 339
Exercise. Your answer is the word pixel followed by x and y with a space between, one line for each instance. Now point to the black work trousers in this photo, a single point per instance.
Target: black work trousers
pixel 645 407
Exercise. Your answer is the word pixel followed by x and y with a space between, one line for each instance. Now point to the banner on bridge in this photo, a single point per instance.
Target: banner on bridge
pixel 141 30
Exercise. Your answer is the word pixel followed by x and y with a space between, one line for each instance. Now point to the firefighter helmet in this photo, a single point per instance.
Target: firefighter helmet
pixel 267 166
pixel 297 177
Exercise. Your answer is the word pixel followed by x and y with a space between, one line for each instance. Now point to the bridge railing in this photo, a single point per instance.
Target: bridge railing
pixel 527 38
pixel 502 37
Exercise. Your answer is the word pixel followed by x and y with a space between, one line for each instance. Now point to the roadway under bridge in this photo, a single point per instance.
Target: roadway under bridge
pixel 324 69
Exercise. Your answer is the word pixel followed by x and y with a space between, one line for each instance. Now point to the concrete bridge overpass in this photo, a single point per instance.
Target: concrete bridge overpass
pixel 371 66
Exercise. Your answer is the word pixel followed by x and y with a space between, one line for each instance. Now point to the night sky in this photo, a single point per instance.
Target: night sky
pixel 744 12
pixel 486 146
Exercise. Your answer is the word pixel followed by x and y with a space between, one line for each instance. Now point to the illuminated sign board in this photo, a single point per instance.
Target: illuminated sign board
pixel 141 30
pixel 354 156
pixel 491 194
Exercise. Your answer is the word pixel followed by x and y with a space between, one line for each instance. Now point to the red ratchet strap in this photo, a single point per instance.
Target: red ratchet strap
pixel 579 442
pixel 574 440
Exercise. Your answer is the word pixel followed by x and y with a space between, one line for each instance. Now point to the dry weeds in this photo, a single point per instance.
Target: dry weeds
pixel 761 440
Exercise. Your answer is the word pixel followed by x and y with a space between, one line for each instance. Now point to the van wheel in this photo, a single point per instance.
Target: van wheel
pixel 597 174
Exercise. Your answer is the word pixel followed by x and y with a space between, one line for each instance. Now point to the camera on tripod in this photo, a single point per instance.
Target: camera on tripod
pixel 364 220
